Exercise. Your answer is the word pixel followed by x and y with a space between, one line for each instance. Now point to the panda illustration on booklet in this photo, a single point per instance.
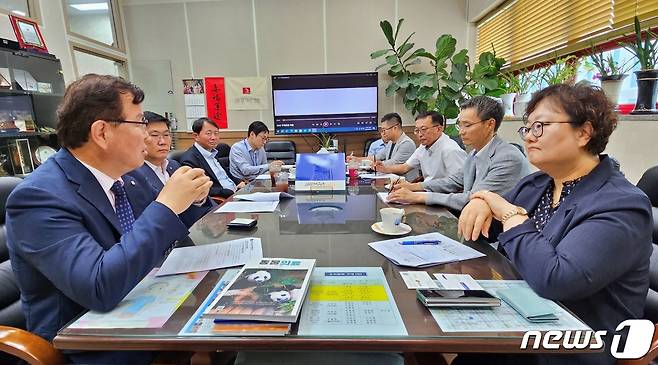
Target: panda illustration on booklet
pixel 272 289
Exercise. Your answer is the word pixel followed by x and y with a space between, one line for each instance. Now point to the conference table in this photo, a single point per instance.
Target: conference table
pixel 334 240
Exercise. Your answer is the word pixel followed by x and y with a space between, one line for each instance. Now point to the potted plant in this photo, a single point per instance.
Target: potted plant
pixel 450 80
pixel 609 71
pixel 562 71
pixel 647 56
pixel 517 85
pixel 325 142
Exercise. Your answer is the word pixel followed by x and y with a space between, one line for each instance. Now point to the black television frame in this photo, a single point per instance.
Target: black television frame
pixel 276 130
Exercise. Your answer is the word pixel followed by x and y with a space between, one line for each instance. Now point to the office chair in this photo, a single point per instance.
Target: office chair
pixel 175 155
pixel 285 151
pixel 223 150
pixel 369 141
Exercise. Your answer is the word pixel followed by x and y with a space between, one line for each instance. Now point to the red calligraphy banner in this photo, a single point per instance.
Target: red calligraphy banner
pixel 216 101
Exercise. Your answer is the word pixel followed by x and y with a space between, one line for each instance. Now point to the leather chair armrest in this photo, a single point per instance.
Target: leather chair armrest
pixel 29 347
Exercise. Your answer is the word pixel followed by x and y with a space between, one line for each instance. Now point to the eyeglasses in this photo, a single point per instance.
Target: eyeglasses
pixel 211 133
pixel 263 137
pixel 424 129
pixel 537 128
pixel 382 129
pixel 459 125
pixel 157 136
pixel 143 122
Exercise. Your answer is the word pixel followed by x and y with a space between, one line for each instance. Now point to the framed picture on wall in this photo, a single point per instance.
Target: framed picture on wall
pixel 28 33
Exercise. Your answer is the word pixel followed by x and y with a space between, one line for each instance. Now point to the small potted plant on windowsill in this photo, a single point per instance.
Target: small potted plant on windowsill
pixel 517 87
pixel 646 52
pixel 609 71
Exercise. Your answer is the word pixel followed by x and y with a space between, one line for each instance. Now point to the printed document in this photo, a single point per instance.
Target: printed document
pixel 212 257
pixel 248 207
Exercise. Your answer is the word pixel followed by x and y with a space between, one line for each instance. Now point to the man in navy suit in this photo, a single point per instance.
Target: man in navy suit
pixel 204 155
pixel 81 230
pixel 157 167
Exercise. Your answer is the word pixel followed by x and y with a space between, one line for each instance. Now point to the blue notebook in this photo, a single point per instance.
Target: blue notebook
pixel 528 304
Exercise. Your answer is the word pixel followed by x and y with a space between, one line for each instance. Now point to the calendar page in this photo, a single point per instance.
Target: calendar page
pixel 350 301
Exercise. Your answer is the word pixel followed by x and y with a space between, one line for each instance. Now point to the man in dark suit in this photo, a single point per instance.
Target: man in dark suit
pixel 204 155
pixel 82 231
pixel 157 167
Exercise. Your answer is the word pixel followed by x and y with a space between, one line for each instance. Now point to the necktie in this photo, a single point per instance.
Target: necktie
pixel 390 152
pixel 123 209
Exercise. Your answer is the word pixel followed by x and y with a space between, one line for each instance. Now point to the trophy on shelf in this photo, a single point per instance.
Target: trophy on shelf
pixel 21 157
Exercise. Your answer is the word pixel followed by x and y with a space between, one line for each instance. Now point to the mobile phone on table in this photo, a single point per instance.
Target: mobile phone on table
pixel 242 223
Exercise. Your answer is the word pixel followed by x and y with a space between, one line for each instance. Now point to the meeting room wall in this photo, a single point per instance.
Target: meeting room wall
pixel 259 38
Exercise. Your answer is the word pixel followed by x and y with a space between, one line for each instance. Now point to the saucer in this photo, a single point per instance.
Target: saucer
pixel 401 230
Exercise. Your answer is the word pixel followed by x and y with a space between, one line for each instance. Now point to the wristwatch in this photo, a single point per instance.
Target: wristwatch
pixel 516 211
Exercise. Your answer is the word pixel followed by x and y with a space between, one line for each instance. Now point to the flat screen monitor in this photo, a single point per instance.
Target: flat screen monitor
pixel 325 103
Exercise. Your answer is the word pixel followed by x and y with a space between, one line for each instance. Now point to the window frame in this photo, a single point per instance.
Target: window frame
pixel 117 31
pixel 74 46
pixel 33 9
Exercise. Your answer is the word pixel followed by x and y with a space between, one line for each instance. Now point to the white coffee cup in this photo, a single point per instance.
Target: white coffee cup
pixel 391 218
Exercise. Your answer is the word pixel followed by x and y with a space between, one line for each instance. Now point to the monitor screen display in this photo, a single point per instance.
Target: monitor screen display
pixel 325 103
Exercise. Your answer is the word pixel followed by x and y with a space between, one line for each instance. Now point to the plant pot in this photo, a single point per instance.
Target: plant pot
pixel 521 103
pixel 611 85
pixel 508 103
pixel 647 86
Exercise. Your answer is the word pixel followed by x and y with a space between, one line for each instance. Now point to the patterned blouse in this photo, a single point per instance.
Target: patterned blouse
pixel 544 211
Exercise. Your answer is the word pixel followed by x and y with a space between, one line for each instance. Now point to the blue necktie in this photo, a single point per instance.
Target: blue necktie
pixel 123 209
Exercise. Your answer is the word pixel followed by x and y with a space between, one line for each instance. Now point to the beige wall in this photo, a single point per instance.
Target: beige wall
pixel 631 144
pixel 239 38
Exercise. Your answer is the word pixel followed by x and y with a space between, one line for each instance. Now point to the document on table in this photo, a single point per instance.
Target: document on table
pixel 148 305
pixel 212 257
pixel 503 318
pixel 264 177
pixel 350 301
pixel 378 176
pixel 263 197
pixel 423 255
pixel 384 197
pixel 456 282
pixel 248 207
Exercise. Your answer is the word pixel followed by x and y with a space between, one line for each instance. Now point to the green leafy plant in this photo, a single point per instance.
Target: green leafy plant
pixel 562 71
pixel 325 139
pixel 452 78
pixel 647 52
pixel 520 83
pixel 606 65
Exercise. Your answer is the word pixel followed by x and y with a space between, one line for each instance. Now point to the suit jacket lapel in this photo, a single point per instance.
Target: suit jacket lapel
pixel 88 186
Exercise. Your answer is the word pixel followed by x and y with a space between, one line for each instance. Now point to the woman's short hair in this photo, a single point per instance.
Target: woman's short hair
pixel 91 98
pixel 582 103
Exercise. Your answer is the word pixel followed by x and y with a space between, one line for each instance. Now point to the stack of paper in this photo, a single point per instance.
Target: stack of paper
pixel 263 197
pixel 378 176
pixel 212 257
pixel 248 207
pixel 442 251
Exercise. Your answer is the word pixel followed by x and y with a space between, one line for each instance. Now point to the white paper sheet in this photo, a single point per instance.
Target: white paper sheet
pixel 378 176
pixel 248 207
pixel 263 177
pixel 418 280
pixel 211 257
pixel 448 250
pixel 262 197
pixel 457 282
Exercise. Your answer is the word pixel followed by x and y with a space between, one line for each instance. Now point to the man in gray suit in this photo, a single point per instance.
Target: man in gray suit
pixel 493 164
pixel 399 147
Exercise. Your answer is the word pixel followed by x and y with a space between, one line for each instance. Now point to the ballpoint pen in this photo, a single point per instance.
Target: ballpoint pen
pixel 392 185
pixel 420 242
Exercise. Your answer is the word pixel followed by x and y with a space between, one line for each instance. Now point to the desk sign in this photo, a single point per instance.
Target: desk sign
pixel 320 172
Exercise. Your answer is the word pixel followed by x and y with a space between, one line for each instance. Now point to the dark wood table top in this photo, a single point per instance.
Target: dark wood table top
pixel 335 240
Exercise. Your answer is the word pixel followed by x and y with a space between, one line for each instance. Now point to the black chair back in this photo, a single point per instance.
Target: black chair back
pixel 369 142
pixel 459 141
pixel 10 306
pixel 175 155
pixel 285 151
pixel 223 150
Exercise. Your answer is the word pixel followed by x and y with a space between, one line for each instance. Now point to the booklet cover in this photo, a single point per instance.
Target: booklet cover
pixel 272 289
pixel 320 172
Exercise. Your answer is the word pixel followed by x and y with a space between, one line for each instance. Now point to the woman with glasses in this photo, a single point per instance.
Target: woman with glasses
pixel 577 231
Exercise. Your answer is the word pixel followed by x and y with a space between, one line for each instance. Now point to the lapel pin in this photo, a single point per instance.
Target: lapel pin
pixel 132 182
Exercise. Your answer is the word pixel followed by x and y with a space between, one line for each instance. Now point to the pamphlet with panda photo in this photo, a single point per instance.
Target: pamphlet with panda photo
pixel 271 289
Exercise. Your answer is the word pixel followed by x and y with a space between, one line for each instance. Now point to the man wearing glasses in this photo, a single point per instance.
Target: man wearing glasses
pixel 493 164
pixel 437 157
pixel 248 158
pixel 204 155
pixel 399 147
pixel 157 167
pixel 84 228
